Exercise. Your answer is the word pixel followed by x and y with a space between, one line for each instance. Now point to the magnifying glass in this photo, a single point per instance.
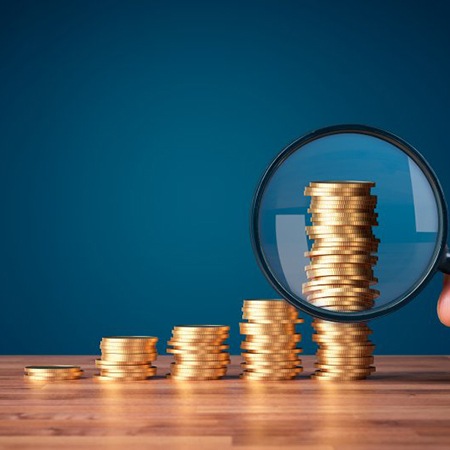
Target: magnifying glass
pixel 412 215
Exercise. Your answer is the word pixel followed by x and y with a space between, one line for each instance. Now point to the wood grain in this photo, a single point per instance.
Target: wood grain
pixel 405 405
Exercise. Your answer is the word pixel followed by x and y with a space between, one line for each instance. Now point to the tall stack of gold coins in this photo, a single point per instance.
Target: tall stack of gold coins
pixel 127 358
pixel 341 274
pixel 200 352
pixel 53 373
pixel 270 347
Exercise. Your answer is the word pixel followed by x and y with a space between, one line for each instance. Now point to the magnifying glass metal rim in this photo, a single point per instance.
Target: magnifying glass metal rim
pixel 439 260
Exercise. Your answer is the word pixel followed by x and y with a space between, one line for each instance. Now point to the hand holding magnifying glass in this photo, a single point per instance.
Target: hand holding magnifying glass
pixel 443 306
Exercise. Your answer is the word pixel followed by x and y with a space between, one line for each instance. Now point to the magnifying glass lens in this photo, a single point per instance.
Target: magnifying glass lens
pixel 405 215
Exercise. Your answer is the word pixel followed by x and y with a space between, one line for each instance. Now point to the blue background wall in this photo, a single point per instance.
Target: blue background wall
pixel 133 134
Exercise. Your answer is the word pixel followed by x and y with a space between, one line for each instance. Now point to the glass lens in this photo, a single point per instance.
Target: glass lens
pixel 408 212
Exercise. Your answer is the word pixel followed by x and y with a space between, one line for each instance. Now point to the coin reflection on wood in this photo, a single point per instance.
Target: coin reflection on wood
pixel 271 349
pixel 341 274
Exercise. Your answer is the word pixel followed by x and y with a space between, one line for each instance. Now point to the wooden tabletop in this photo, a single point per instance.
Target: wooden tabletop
pixel 405 405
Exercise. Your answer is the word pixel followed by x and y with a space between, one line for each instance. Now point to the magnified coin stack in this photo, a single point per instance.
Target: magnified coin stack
pixel 340 274
pixel 270 347
pixel 127 358
pixel 53 373
pixel 200 352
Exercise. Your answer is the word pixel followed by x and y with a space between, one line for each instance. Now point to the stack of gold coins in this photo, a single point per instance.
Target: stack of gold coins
pixel 127 358
pixel 341 274
pixel 271 349
pixel 200 352
pixel 53 373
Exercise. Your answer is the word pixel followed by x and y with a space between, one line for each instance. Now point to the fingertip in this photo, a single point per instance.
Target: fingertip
pixel 443 307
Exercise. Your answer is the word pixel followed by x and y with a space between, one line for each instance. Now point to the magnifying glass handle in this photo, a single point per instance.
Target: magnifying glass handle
pixel 445 265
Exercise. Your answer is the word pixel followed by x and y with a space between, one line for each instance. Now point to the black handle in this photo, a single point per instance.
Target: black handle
pixel 445 264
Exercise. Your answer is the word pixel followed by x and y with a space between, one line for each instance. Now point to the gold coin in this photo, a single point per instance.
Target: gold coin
pixel 332 249
pixel 347 293
pixel 277 339
pixel 330 330
pixel 344 240
pixel 348 222
pixel 109 350
pixel 253 328
pixel 129 374
pixel 280 309
pixel 126 345
pixel 328 353
pixel 256 346
pixel 279 371
pixel 116 374
pixel 342 301
pixel 191 378
pixel 361 273
pixel 345 308
pixel 194 351
pixel 344 361
pixel 349 290
pixel 340 259
pixel 338 229
pixel 50 376
pixel 200 338
pixel 272 302
pixel 200 348
pixel 344 340
pixel 189 329
pixel 325 193
pixel 269 358
pixel 274 322
pixel 323 297
pixel 339 325
pixel 331 202
pixel 319 375
pixel 126 369
pixel 338 198
pixel 189 371
pixel 130 339
pixel 266 377
pixel 131 358
pixel 344 215
pixel 198 343
pixel 204 364
pixel 346 332
pixel 285 352
pixel 123 378
pixel 336 280
pixel 338 265
pixel 204 357
pixel 342 252
pixel 311 287
pixel 269 320
pixel 53 368
pixel 103 363
pixel 337 184
pixel 272 365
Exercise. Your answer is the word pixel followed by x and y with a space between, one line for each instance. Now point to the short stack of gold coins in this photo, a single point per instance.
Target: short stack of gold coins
pixel 200 352
pixel 53 373
pixel 271 349
pixel 340 274
pixel 127 358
